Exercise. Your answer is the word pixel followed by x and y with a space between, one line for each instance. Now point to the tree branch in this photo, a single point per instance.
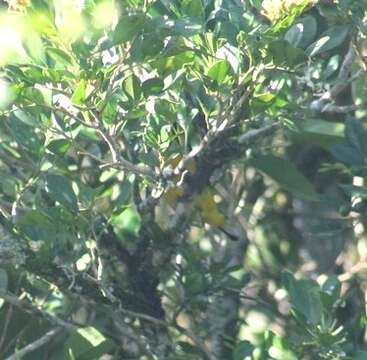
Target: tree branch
pixel 343 80
pixel 36 344
pixel 31 309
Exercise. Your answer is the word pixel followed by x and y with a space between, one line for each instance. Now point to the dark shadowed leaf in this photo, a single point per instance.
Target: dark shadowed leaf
pixel 192 8
pixel 151 45
pixel 302 33
pixel 26 135
pixel 332 287
pixel 356 134
pixel 87 343
pixel 304 296
pixel 152 86
pixel 352 190
pixel 330 39
pixel 189 348
pixel 361 355
pixel 242 350
pixel 347 154
pixel 128 27
pixel 285 174
pixel 60 189
pixel 59 146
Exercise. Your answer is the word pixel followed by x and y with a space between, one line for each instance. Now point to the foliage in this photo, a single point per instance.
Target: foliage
pixel 183 179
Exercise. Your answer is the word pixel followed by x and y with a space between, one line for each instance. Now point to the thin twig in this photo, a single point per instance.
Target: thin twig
pixel 339 108
pixel 117 160
pixel 252 135
pixel 342 82
pixel 35 344
pixel 6 324
pixel 29 308
pixel 201 344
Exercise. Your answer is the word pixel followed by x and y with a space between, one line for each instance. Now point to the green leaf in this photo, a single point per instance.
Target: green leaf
pixel 97 352
pixel 280 350
pixel 25 135
pixel 170 64
pixel 321 132
pixel 282 52
pixel 87 344
pixel 152 86
pixel 79 93
pixel 8 184
pixel 187 27
pixel 266 97
pixel 92 335
pixel 294 11
pixel 132 87
pixel 192 8
pixel 304 296
pixel 59 188
pixel 242 350
pixel 34 46
pixel 34 95
pixel 109 113
pixel 332 286
pixel 189 348
pixel 219 71
pixel 59 146
pixel 36 74
pixel 151 45
pixel 39 227
pixel 330 39
pixel 128 27
pixel 126 221
pixel 322 127
pixel 347 154
pixel 302 33
pixel 59 56
pixel 331 67
pixel 285 174
pixel 353 190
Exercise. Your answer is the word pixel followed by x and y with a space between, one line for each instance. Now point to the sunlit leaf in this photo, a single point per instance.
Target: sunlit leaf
pixel 132 87
pixel 59 56
pixel 219 71
pixel 80 92
pixel 127 221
